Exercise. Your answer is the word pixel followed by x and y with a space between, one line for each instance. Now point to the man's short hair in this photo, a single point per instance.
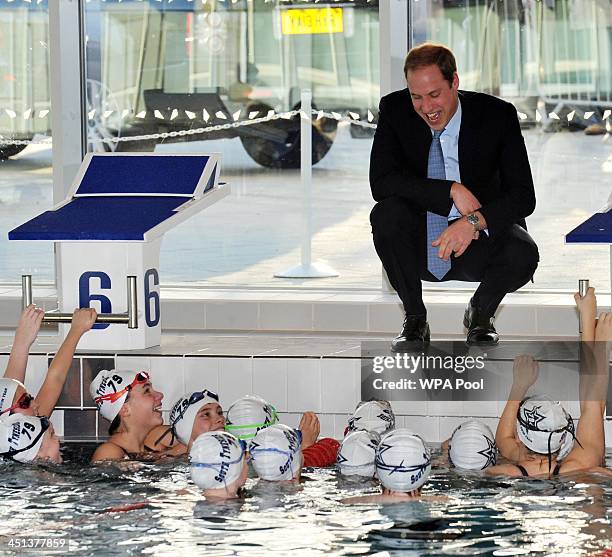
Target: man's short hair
pixel 431 54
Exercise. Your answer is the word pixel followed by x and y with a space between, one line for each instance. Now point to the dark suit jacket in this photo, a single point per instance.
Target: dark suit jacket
pixel 492 159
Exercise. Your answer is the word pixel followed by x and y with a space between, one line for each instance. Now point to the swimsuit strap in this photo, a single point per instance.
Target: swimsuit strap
pixel 523 470
pixel 125 453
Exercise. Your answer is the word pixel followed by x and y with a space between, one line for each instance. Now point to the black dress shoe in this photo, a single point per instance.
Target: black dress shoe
pixel 414 335
pixel 480 327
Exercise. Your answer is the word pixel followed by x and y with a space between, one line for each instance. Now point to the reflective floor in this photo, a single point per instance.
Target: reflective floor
pixel 259 230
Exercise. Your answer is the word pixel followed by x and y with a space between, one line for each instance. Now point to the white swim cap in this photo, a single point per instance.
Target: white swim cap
pixel 403 462
pixel 21 436
pixel 357 452
pixel 543 425
pixel 375 415
pixel 109 389
pixel 472 446
pixel 249 414
pixel 8 388
pixel 184 412
pixel 216 459
pixel 276 453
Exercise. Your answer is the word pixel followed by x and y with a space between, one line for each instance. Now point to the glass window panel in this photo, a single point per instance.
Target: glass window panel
pixel 25 134
pixel 180 67
pixel 553 60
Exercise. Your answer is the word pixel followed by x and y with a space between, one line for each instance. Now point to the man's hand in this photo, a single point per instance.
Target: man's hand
pixel 83 320
pixel 456 238
pixel 464 199
pixel 29 325
pixel 310 428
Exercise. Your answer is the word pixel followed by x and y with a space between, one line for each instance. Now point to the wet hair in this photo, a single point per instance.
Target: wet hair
pixel 431 54
pixel 114 425
pixel 117 419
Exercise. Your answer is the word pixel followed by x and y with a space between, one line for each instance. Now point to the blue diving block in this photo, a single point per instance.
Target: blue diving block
pixel 128 197
pixel 111 225
pixel 597 229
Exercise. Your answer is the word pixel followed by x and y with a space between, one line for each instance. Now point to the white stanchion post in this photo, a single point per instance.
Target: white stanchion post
pixel 307 269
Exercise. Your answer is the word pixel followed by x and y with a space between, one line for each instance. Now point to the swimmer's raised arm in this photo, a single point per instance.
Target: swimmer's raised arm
pixel 594 377
pixel 82 321
pixel 525 374
pixel 587 307
pixel 25 335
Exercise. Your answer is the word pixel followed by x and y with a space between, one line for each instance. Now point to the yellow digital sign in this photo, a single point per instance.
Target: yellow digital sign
pixel 311 21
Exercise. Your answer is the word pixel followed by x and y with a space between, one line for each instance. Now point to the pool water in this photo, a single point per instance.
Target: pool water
pixel 156 510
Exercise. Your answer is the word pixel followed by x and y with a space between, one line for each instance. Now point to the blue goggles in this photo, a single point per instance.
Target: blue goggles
pixel 195 397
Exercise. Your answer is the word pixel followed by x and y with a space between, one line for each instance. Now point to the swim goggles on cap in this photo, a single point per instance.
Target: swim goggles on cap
pixel 141 378
pixel 45 424
pixel 273 420
pixel 193 399
pixel 24 403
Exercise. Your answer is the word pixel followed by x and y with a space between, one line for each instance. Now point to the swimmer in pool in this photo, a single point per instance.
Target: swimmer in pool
pixel 250 414
pixel 357 454
pixel 218 465
pixel 537 434
pixel 372 415
pixel 403 465
pixel 192 414
pixel 26 439
pixel 14 397
pixel 470 447
pixel 127 400
pixel 276 453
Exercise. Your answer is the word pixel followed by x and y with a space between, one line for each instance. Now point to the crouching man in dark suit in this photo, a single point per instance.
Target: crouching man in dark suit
pixel 450 175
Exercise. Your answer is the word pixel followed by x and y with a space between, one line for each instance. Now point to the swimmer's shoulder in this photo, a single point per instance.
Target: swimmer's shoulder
pixel 108 452
pixel 601 470
pixel 153 442
pixel 503 470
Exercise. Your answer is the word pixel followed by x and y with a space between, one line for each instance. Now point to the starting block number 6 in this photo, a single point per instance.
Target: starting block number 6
pixel 151 295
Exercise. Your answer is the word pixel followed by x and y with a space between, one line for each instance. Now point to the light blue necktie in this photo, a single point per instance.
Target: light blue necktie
pixel 436 224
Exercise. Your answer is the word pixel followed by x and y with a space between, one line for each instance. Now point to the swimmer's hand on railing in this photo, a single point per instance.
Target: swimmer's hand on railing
pixel 130 318
pixel 29 325
pixel 82 321
pixel 587 304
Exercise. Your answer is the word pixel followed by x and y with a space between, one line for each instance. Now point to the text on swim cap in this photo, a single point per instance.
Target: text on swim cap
pixel 3 396
pixel 224 467
pixel 179 410
pixel 110 383
pixel 17 432
pixel 226 450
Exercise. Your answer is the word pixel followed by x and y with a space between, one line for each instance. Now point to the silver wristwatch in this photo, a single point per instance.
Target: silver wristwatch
pixel 473 219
